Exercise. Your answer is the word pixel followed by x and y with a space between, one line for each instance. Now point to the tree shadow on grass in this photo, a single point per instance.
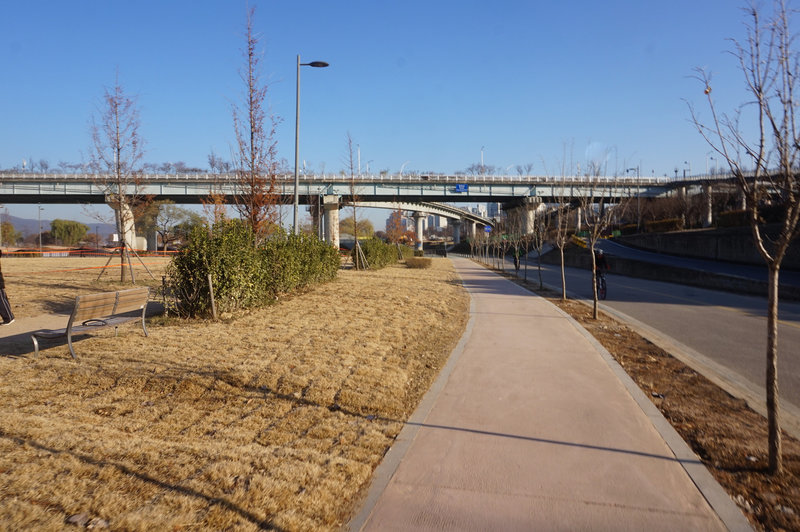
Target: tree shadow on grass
pixel 263 524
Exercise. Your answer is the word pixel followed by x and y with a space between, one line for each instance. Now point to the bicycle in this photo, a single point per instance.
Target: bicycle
pixel 601 285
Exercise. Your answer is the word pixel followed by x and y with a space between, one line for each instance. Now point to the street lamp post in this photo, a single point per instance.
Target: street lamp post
pixel 709 158
pixel 40 229
pixel 316 64
pixel 638 198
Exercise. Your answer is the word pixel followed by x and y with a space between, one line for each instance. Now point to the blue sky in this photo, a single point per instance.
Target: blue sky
pixel 428 82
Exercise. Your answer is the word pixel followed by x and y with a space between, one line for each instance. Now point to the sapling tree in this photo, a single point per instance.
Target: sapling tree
pixel 760 143
pixel 117 152
pixel 255 160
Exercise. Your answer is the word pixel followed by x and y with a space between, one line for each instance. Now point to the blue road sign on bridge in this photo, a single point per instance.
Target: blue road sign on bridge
pixel 462 187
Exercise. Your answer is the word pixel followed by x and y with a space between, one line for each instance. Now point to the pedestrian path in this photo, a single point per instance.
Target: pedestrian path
pixel 532 426
pixel 15 338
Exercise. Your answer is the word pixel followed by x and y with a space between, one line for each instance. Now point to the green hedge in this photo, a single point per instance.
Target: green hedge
pixel 419 262
pixel 380 254
pixel 243 275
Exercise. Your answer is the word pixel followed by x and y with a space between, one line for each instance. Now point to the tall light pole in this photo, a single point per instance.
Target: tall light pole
pixel 709 158
pixel 315 64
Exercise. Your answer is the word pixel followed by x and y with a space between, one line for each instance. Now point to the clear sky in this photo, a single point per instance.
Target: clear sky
pixel 426 83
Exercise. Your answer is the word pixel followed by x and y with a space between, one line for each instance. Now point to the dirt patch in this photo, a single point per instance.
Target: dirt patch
pixel 729 437
pixel 274 418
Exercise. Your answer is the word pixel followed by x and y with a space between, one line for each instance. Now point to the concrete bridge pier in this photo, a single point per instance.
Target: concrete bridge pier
pixel 471 229
pixel 124 219
pixel 315 210
pixel 741 200
pixel 708 211
pixel 522 217
pixel 419 218
pixel 330 206
pixel 456 230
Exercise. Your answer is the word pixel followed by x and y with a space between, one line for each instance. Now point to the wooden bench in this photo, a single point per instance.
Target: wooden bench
pixel 103 309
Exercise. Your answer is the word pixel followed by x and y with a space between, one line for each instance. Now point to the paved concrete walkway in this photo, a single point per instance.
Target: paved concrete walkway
pixel 532 426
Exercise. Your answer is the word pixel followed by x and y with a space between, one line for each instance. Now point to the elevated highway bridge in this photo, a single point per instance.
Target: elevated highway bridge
pixel 416 193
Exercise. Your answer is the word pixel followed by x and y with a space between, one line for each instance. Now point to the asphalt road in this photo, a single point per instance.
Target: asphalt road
pixel 729 329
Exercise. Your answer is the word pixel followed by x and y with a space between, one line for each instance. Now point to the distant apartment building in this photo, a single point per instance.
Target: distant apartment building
pixel 480 210
pixel 493 210
pixel 437 223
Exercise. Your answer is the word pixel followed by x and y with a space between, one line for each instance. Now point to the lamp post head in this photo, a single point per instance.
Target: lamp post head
pixel 316 64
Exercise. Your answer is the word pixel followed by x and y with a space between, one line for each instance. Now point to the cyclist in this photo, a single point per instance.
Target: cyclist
pixel 600 261
pixel 601 267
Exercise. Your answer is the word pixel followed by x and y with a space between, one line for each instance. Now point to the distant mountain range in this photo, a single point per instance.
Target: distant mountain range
pixel 27 226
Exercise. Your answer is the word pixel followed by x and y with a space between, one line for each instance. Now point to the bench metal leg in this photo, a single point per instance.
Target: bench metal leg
pixel 35 346
pixel 69 342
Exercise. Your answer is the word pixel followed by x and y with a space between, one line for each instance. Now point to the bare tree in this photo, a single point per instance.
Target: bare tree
pixel 524 169
pixel 116 154
pixel 537 240
pixel 769 60
pixel 359 260
pixel 598 216
pixel 256 162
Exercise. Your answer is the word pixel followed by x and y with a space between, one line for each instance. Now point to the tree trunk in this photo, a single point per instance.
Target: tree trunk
pixel 594 285
pixel 539 262
pixel 563 276
pixel 122 264
pixel 773 406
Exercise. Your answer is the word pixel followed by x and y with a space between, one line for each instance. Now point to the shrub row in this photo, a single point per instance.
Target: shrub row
pixel 380 254
pixel 419 262
pixel 244 275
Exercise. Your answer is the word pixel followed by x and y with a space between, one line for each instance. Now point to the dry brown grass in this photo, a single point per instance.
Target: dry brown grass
pixel 274 419
pixel 39 286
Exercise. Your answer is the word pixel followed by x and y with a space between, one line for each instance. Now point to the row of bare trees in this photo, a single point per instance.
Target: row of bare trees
pixel 762 135
pixel 118 149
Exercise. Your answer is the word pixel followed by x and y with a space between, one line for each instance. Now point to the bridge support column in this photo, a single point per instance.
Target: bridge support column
pixel 124 217
pixel 708 211
pixel 456 231
pixel 315 210
pixel 578 215
pixel 419 218
pixel 330 205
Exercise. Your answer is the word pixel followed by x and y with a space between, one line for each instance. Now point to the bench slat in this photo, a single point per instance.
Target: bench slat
pixel 130 300
pixel 94 306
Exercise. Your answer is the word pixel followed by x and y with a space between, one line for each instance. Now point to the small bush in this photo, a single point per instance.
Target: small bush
pixel 244 275
pixel 419 253
pixel 405 251
pixel 378 253
pixel 419 262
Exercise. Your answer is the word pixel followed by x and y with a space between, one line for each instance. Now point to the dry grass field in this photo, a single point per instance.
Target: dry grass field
pixel 272 419
pixel 39 286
